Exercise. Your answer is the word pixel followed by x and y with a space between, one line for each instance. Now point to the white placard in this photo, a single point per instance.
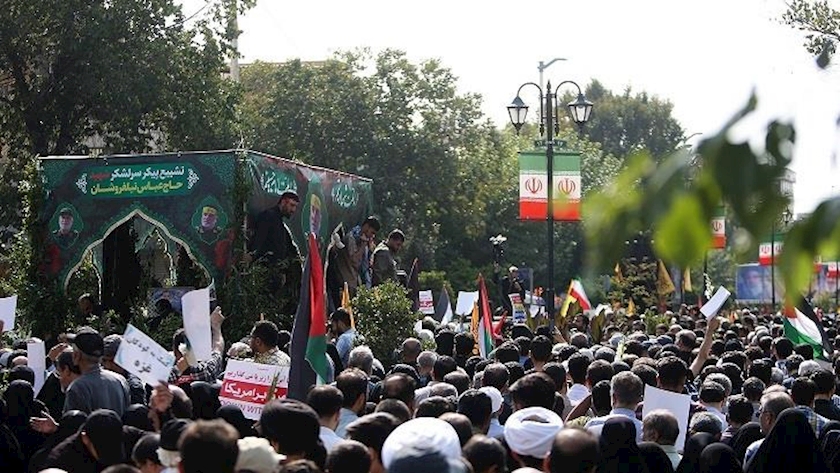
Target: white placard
pixel 141 356
pixel 427 304
pixel 7 312
pixel 466 301
pixel 677 404
pixel 711 308
pixel 37 360
pixel 247 385
pixel 519 314
pixel 196 307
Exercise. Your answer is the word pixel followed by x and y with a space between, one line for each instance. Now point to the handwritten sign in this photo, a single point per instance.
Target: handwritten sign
pixel 196 307
pixel 677 404
pixel 37 361
pixel 711 308
pixel 143 357
pixel 141 180
pixel 518 308
pixel 427 304
pixel 8 305
pixel 247 385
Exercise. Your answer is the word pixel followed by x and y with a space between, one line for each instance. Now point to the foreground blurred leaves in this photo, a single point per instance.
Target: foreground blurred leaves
pixel 676 200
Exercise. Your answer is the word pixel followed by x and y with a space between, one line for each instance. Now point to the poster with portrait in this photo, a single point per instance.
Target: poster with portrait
pixel 753 284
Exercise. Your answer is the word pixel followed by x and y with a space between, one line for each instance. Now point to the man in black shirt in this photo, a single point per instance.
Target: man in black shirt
pixel 823 405
pixel 274 246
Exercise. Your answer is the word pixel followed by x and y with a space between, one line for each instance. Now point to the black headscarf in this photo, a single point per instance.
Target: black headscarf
pixel 205 400
pixel 744 437
pixel 137 415
pixel 656 459
pixel 790 446
pixel 619 452
pixel 20 406
pixel 691 453
pixel 69 424
pixel 234 416
pixel 719 458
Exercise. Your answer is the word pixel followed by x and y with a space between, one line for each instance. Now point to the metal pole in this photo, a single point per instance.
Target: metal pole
pixel 549 156
pixel 234 42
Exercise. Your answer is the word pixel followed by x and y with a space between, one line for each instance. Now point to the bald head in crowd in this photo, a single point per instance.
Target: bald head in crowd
pixel 573 451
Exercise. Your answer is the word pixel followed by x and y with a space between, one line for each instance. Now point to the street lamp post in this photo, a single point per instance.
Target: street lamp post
pixel 580 109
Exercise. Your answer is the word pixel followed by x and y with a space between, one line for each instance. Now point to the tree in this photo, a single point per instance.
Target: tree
pixel 627 123
pixel 821 24
pixel 434 158
pixel 127 70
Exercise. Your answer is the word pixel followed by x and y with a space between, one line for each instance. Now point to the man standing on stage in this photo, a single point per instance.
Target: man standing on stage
pixel 273 244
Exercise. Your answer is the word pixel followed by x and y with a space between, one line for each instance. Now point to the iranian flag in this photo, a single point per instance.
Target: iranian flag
pixel 308 351
pixel 768 252
pixel 719 229
pixel 533 187
pixel 485 320
pixel 803 326
pixel 577 293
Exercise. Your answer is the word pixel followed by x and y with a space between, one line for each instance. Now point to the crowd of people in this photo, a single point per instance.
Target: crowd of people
pixel 542 400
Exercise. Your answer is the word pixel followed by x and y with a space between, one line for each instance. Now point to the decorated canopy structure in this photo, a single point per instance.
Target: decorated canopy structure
pixel 193 198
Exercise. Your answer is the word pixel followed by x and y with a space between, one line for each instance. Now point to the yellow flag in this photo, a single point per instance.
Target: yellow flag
pixel 474 327
pixel 631 307
pixel 687 280
pixel 617 271
pixel 345 302
pixel 664 284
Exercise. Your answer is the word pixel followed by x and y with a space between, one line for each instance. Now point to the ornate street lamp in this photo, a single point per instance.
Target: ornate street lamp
pixel 580 111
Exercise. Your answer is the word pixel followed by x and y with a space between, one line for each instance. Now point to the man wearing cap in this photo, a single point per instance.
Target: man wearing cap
pixel 207 230
pixel 96 388
pixel 97 445
pixel 65 236
pixel 136 388
pixel 383 263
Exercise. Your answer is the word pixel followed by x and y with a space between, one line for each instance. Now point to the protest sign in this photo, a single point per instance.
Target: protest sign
pixel 712 307
pixel 196 306
pixel 141 356
pixel 7 312
pixel 519 313
pixel 246 385
pixel 427 304
pixel 466 301
pixel 677 404
pixel 37 360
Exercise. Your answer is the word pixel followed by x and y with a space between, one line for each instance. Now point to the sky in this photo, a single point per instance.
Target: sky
pixel 705 57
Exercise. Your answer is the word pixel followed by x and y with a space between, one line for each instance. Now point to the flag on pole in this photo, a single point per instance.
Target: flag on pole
pixel 686 280
pixel 443 311
pixel 485 322
pixel 575 295
pixel 719 228
pixel 617 271
pixel 345 302
pixel 802 326
pixel 310 365
pixel 413 285
pixel 769 251
pixel 533 186
pixel 664 284
pixel 631 307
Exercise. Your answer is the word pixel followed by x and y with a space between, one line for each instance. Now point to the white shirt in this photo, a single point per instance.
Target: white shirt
pixel 577 393
pixel 496 430
pixel 329 438
pixel 597 424
pixel 720 415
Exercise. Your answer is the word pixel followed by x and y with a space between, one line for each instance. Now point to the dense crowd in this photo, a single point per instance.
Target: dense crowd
pixel 542 400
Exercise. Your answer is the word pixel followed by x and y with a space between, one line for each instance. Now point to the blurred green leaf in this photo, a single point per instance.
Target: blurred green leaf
pixel 683 234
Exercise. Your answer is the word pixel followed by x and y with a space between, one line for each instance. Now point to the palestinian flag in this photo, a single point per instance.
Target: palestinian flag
pixel 310 365
pixel 485 320
pixel 803 326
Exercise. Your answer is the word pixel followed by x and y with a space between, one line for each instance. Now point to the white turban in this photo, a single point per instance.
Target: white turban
pixel 423 431
pixel 531 431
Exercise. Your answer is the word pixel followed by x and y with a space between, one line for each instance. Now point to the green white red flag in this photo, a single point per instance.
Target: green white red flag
pixel 485 320
pixel 768 252
pixel 719 229
pixel 533 186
